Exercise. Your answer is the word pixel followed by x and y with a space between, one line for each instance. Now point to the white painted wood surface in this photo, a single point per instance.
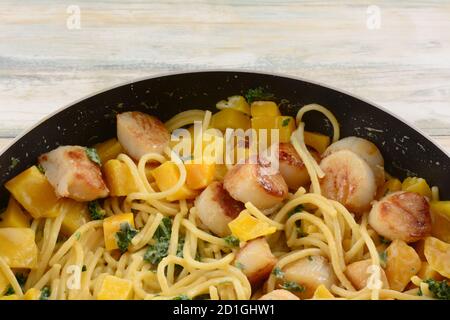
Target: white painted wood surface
pixel 403 66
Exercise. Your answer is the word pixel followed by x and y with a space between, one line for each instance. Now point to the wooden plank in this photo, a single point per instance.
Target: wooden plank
pixel 403 66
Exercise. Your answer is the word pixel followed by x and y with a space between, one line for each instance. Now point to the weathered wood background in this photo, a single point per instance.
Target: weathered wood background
pixel 404 65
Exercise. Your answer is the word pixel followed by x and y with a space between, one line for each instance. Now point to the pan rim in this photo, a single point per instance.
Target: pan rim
pixel 249 71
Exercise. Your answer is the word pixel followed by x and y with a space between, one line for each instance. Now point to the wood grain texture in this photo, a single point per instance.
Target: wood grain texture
pixel 404 66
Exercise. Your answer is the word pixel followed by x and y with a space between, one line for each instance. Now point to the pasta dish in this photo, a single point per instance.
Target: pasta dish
pixel 239 202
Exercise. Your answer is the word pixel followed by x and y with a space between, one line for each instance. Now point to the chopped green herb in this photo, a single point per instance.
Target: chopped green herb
pixel 383 240
pixel 180 247
pixel 160 249
pixel 285 122
pixel 182 297
pixel 258 94
pixel 45 293
pixel 83 269
pixel 164 229
pixel 297 209
pixel 21 279
pixel 96 211
pixel 440 289
pixel 40 168
pixel 383 259
pixel 14 162
pixel 77 235
pixel 9 291
pixel 232 241
pixel 124 236
pixel 292 286
pixel 93 155
pixel 301 233
pixel 310 258
pixel 239 265
pixel 420 293
pixel 278 273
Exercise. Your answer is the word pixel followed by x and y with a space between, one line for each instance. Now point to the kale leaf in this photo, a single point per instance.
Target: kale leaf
pixel 93 155
pixel 258 94
pixel 124 236
pixel 95 210
pixel 440 289
pixel 232 241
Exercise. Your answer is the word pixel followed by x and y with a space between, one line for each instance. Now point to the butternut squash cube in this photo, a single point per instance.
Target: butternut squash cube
pixel 236 103
pixel 118 178
pixel 437 253
pixel 77 214
pixel 317 141
pixel 114 288
pixel 18 248
pixel 14 216
pixel 358 274
pixel 199 176
pixel 322 293
pixel 33 191
pixel 109 149
pixel 111 226
pixel 230 118
pixel 246 227
pixel 417 185
pixel 264 122
pixel 427 272
pixel 402 263
pixel 264 108
pixel 285 125
pixel 390 186
pixel 440 220
pixel 166 176
pixel 32 294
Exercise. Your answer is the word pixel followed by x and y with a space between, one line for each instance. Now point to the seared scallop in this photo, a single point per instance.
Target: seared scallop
pixel 358 272
pixel 215 208
pixel 279 294
pixel 309 273
pixel 292 168
pixel 403 216
pixel 72 174
pixel 349 180
pixel 256 260
pixel 256 183
pixel 366 149
pixel 140 133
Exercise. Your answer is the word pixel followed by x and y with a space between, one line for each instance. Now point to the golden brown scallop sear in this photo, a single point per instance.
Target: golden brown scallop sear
pixel 292 168
pixel 349 180
pixel 309 273
pixel 366 149
pixel 402 216
pixel 72 174
pixel 256 261
pixel 216 208
pixel 140 133
pixel 279 294
pixel 255 182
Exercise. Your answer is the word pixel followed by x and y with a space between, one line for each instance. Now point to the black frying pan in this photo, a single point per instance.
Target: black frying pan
pixel 406 151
